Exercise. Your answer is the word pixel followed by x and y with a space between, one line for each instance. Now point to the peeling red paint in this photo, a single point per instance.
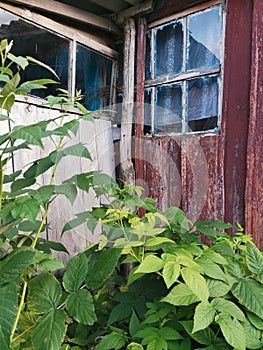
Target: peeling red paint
pixel 225 154
pixel 254 184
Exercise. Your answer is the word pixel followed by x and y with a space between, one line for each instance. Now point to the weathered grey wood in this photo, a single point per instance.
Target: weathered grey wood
pixel 127 169
pixel 94 42
pixel 139 9
pixel 97 136
pixel 71 12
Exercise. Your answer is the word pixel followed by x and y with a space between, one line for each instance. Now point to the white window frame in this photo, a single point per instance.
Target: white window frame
pixel 184 76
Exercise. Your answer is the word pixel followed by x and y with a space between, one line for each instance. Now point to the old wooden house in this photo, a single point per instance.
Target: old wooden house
pixel 184 79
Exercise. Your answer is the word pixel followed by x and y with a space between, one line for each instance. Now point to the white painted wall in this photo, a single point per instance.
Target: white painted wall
pixel 97 136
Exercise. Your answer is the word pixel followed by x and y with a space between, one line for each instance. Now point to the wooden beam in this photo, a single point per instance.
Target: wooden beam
pixel 139 122
pixel 127 169
pixel 89 40
pixel 140 9
pixel 112 5
pixel 71 12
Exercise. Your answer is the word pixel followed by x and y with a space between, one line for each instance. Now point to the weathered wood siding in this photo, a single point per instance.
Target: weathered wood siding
pixel 254 184
pixel 220 176
pixel 97 136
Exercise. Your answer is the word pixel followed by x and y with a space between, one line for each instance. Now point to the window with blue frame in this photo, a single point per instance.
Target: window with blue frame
pixel 184 72
pixel 92 71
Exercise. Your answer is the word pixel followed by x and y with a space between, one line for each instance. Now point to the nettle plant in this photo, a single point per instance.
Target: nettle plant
pixel 149 283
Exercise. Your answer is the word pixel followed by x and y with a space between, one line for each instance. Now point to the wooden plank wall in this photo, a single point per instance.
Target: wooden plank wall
pixel 97 136
pixel 214 176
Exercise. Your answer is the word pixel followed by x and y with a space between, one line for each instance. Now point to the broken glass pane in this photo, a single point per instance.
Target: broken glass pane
pixel 204 38
pixel 93 77
pixel 202 106
pixel 45 46
pixel 169 52
pixel 169 108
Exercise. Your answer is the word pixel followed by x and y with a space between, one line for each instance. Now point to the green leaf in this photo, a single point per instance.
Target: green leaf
pixel 254 260
pixel 39 167
pixel 15 263
pixel 134 325
pixel 80 306
pixel 31 133
pixel 44 293
pixel 171 272
pixel 11 177
pixel 253 336
pixel 68 190
pixel 39 63
pixel 149 331
pixel 25 207
pixel 255 320
pixel 150 264
pixel 134 346
pixel 82 217
pixel 7 96
pixel 48 262
pixel 49 331
pixel 19 60
pixel 158 344
pixel 46 246
pixel 169 333
pixel 22 183
pixel 250 294
pixel 211 256
pixel 212 270
pixel 5 78
pixel 133 276
pixel 196 283
pixel 111 341
pixel 227 307
pixel 8 309
pixel 217 288
pixel 75 273
pixel 43 194
pixel 158 240
pixel 205 336
pixel 233 331
pixel 78 150
pixel 102 266
pixel 181 295
pixel 204 316
pixel 188 262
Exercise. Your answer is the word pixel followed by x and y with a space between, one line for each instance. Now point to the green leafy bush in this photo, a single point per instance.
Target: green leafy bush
pixel 150 283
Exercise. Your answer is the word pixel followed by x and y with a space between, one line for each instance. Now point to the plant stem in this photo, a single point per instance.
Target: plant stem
pixel 20 308
pixel 1 183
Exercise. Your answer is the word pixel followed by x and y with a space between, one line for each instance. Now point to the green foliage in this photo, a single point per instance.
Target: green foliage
pixel 149 284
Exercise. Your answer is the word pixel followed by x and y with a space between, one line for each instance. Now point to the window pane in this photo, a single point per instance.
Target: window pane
pixel 169 41
pixel 93 77
pixel 169 108
pixel 148 68
pixel 147 111
pixel 204 38
pixel 202 107
pixel 30 40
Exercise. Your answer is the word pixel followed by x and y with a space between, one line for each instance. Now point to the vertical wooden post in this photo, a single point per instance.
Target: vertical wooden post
pixel 139 123
pixel 126 165
pixel 235 118
pixel 254 180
